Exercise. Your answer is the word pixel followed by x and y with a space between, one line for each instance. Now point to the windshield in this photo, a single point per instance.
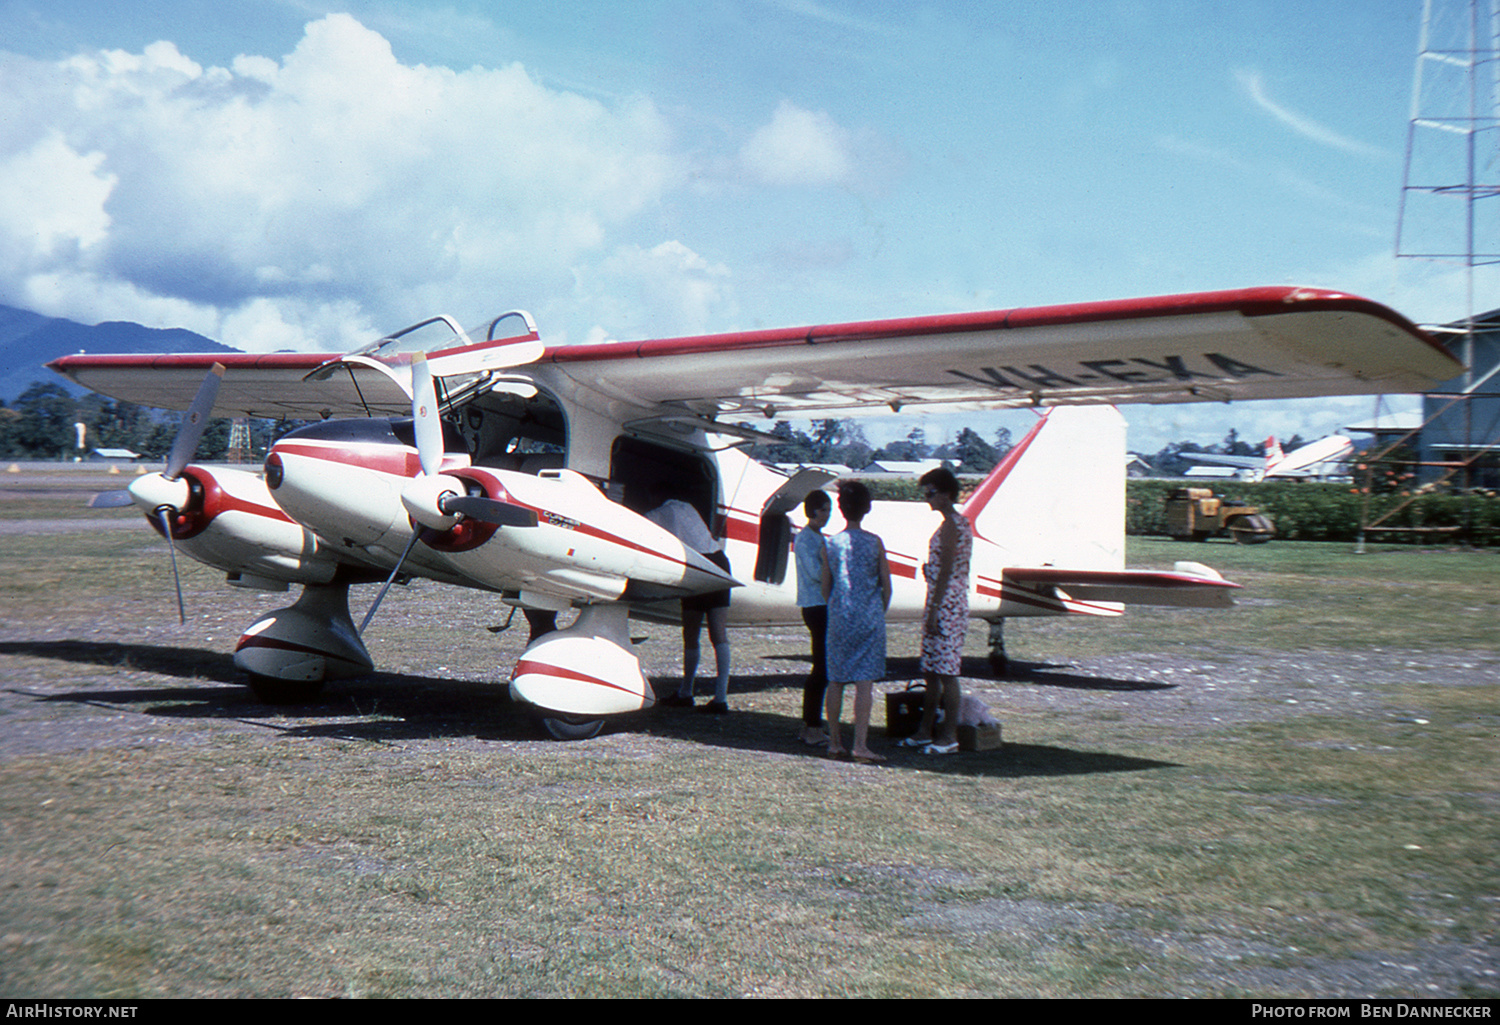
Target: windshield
pixel 443 332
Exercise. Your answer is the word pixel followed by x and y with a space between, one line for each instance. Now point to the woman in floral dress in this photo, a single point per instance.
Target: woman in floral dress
pixel 945 621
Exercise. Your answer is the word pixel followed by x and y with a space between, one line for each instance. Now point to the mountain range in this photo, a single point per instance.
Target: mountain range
pixel 28 341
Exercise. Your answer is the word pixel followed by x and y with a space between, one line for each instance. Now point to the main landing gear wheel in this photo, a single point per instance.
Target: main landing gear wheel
pixel 270 691
pixel 572 727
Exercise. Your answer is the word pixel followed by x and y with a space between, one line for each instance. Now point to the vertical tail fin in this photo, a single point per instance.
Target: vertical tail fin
pixel 1058 497
pixel 1274 455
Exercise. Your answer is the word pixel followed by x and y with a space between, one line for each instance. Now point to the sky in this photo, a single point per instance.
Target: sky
pixel 289 174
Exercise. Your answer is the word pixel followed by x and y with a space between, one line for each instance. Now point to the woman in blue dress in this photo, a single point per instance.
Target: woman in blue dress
pixel 857 584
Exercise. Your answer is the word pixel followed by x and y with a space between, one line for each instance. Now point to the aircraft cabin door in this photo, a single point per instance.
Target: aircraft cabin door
pixel 776 529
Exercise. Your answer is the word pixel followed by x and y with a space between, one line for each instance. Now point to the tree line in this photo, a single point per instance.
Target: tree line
pixel 843 442
pixel 41 424
pixel 1171 460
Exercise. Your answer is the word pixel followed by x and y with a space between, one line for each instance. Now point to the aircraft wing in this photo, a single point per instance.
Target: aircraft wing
pixel 1219 346
pixel 1307 460
pixel 1278 342
pixel 1243 462
pixel 269 386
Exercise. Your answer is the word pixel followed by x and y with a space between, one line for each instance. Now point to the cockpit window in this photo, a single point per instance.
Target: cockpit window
pixel 405 431
pixel 443 332
pixel 507 430
pixel 430 335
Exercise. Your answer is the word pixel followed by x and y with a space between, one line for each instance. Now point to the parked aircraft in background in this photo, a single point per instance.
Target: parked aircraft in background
pixel 522 471
pixel 1325 457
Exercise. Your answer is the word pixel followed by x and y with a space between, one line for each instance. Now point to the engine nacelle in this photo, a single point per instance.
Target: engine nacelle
pixel 227 519
pixel 310 641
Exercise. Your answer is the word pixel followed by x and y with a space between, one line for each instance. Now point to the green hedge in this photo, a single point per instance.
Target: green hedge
pixel 1330 512
pixel 1301 511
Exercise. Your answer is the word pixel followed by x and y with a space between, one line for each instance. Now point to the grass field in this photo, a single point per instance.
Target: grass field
pixel 1296 797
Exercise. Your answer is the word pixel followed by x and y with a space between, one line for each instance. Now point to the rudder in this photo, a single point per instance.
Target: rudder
pixel 1058 496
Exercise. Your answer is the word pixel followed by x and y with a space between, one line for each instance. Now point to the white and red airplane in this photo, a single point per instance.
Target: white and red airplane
pixel 520 469
pixel 1315 459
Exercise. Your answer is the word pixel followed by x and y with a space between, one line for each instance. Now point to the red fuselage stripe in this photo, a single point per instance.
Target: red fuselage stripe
pixel 403 463
pixel 397 461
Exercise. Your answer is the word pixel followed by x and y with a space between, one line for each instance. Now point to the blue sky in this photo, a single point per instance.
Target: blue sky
pixel 292 174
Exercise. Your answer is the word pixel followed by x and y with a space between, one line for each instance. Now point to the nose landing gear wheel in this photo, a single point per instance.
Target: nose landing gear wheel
pixel 271 691
pixel 572 727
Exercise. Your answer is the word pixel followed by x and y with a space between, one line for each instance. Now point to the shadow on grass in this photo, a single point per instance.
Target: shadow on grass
pixel 1046 674
pixel 191 663
pixel 769 732
pixel 393 706
pixel 396 707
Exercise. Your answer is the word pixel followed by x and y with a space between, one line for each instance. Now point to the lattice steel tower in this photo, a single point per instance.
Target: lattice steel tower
pixel 1453 141
pixel 1448 211
pixel 239 440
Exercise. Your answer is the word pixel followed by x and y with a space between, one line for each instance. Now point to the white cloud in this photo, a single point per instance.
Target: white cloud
pixel 1254 87
pixel 1423 291
pixel 838 19
pixel 263 325
pixel 337 186
pixel 799 147
pixel 52 201
pixel 683 291
pixel 89 298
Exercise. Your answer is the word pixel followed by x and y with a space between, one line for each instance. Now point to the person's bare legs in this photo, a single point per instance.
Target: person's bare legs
pixel 692 627
pixel 718 636
pixel 952 707
pixel 864 698
pixel 930 698
pixel 833 709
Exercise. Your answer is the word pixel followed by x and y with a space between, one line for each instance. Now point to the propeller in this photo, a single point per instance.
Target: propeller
pixel 436 500
pixel 165 495
pixel 111 500
pixel 487 510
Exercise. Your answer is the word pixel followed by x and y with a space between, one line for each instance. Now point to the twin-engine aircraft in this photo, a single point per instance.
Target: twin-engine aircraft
pixel 522 469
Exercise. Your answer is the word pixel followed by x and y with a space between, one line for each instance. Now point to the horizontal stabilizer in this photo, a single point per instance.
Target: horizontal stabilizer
pixel 1184 588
